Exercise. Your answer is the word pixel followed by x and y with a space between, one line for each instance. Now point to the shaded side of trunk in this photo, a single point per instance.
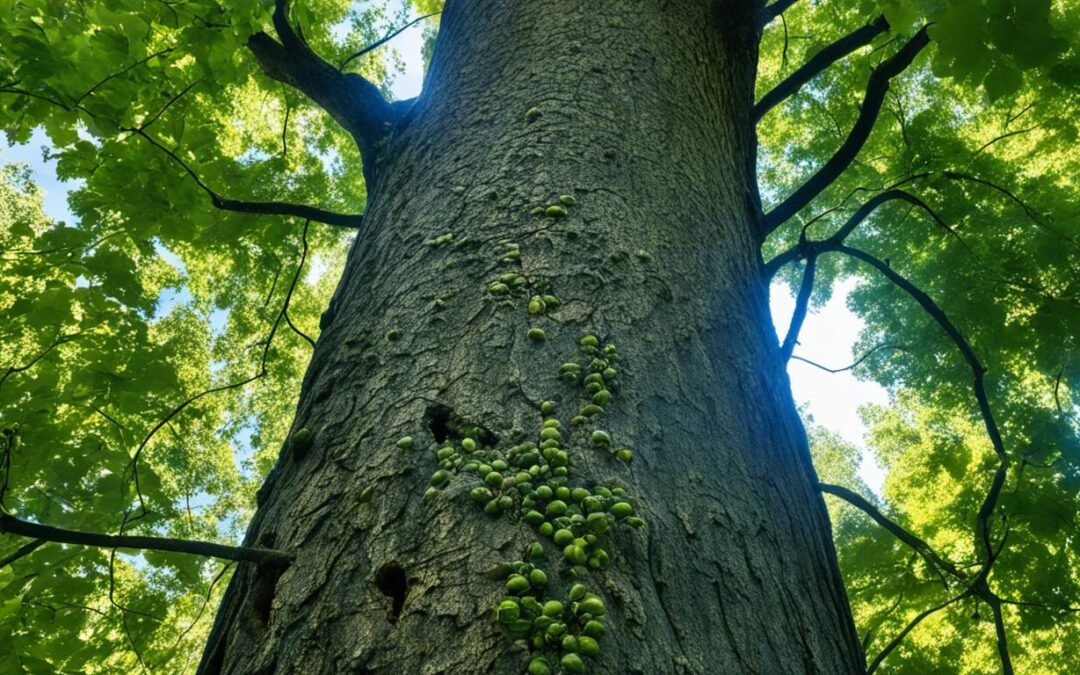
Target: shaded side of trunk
pixel 640 111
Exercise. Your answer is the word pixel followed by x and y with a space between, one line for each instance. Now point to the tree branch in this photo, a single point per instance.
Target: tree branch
pixel 848 367
pixel 876 88
pixel 856 219
pixel 907 629
pixel 802 305
pixel 22 552
pixel 999 630
pixel 354 102
pixel 383 40
pixel 12 525
pixel 264 208
pixel 918 545
pixel 774 10
pixel 978 384
pixel 828 55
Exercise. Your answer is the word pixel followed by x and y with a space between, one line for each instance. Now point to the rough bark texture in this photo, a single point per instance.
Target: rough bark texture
pixel 645 119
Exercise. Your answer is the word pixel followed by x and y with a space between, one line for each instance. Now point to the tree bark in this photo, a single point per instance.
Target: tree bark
pixel 640 111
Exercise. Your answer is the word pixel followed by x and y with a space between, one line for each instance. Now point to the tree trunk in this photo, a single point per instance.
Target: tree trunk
pixel 640 112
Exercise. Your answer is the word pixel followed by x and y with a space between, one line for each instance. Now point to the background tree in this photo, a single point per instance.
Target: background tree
pixel 925 147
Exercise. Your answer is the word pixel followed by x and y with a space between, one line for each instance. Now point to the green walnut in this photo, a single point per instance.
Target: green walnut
pixel 563 537
pixel 572 663
pixel 622 510
pixel 444 453
pixel 600 437
pixel 588 646
pixel 494 479
pixel 508 611
pixel 367 494
pixel 552 422
pixel 537 211
pixel 430 493
pixel 575 554
pixel 481 495
pixel 625 455
pixel 546 529
pixel 544 492
pixel 539 665
pixel 553 608
pixel 498 288
pixel 550 300
pixel 530 115
pixel 569 643
pixel 556 508
pixel 405 443
pixel 579 494
pixel 609 373
pixel 634 521
pixel 468 444
pixel 535 550
pixel 591 604
pixel 492 508
pixel 555 211
pixel 567 200
pixel 517 584
pixel 601 397
pixel 562 492
pixel 547 407
pixel 505 502
pixel 591 410
pixel 593 629
pixel 519 628
pixel 533 518
pixel 599 559
pixel 537 335
pixel 536 305
pixel 537 578
pixel 598 523
pixel 577 592
pixel 589 341
pixel 439 477
pixel 550 433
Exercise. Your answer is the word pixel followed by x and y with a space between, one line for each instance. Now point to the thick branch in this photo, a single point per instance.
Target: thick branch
pixel 774 10
pixel 918 545
pixel 802 305
pixel 266 208
pixel 13 525
pixel 22 552
pixel 355 103
pixel 818 63
pixel 978 372
pixel 856 219
pixel 876 88
pixel 999 630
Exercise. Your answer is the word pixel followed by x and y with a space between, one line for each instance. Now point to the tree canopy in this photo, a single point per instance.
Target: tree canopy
pixel 152 350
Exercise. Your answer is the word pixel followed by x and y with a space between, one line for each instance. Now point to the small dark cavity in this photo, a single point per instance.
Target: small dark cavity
pixel 391 582
pixel 437 417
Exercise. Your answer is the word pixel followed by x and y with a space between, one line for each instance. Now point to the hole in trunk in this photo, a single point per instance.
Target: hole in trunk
pixel 391 582
pixel 438 420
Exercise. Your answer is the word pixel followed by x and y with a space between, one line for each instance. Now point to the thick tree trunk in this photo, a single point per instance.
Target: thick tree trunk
pixel 641 112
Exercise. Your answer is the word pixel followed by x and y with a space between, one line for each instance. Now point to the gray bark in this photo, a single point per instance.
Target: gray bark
pixel 645 119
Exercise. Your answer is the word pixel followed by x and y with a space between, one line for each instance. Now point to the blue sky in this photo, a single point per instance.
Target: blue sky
pixel 827 336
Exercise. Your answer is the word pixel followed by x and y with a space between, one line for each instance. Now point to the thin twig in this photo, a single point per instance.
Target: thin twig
pixel 11 525
pixel 383 40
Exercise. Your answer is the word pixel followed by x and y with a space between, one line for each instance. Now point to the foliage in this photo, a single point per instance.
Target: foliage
pixel 146 346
